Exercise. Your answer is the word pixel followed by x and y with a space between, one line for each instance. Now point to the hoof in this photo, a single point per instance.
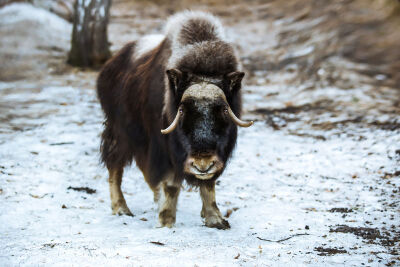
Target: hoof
pixel 121 210
pixel 166 219
pixel 217 222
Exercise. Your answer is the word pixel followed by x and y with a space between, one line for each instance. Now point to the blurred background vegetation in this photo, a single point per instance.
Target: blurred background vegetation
pixel 323 42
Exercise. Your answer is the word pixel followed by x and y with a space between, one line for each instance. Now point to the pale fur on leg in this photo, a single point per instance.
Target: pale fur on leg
pixel 210 212
pixel 118 203
pixel 168 200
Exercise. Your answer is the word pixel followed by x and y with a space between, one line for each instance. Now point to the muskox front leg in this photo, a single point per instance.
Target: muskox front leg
pixel 210 211
pixel 118 203
pixel 169 198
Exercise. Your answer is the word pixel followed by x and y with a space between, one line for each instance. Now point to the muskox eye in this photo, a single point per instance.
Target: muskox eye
pixel 180 111
pixel 226 111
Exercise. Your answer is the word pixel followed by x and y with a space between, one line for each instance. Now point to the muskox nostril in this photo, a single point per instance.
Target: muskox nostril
pixel 211 165
pixel 199 168
pixel 203 167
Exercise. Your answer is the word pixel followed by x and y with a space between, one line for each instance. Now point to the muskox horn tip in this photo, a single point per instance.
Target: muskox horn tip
pixel 238 121
pixel 246 124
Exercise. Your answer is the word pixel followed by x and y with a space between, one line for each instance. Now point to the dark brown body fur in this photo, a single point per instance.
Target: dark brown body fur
pixel 132 94
pixel 138 102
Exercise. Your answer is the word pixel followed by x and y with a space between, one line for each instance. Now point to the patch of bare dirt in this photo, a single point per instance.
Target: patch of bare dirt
pixel 382 237
pixel 83 189
pixel 341 210
pixel 329 251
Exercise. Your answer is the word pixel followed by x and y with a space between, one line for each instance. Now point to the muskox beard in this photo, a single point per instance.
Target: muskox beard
pixel 191 180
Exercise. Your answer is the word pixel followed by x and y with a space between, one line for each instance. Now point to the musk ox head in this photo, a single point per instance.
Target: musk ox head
pixel 205 120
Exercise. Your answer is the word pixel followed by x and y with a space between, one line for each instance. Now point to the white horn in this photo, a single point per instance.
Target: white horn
pixel 173 124
pixel 238 121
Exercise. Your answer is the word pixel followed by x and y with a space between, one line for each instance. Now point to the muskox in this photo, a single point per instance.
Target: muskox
pixel 172 102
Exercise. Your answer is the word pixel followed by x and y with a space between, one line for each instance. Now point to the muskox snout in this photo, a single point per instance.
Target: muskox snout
pixel 203 166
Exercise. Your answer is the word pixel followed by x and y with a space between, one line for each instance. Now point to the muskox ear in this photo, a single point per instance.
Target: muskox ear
pixel 175 77
pixel 234 80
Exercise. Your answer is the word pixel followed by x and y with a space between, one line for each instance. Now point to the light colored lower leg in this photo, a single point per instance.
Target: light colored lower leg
pixel 118 204
pixel 156 193
pixel 210 211
pixel 167 208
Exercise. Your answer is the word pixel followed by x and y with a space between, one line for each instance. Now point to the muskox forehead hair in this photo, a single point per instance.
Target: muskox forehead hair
pixel 202 91
pixel 211 58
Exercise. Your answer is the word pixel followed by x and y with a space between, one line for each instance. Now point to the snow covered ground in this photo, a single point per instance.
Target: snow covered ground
pixel 314 182
pixel 276 186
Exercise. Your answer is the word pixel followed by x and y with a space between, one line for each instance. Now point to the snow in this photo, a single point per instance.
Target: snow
pixel 280 183
pixel 33 41
pixel 21 12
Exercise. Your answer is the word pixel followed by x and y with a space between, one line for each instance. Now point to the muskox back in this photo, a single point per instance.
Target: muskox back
pixel 140 90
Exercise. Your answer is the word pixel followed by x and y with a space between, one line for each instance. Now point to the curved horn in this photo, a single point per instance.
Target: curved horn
pixel 173 124
pixel 238 121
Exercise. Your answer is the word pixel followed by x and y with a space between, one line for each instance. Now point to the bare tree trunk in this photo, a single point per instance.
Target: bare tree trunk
pixel 89 47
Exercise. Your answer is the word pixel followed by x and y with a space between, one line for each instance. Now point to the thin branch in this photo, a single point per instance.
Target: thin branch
pixel 157 243
pixel 281 240
pixel 62 143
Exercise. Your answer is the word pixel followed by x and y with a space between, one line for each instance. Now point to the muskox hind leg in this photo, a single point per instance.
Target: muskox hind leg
pixel 118 203
pixel 210 211
pixel 167 203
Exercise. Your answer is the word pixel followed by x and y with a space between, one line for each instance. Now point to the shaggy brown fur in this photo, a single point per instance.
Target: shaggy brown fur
pixel 197 31
pixel 139 100
pixel 212 58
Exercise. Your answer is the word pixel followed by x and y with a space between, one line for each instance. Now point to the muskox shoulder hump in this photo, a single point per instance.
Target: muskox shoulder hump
pixel 190 27
pixel 199 45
